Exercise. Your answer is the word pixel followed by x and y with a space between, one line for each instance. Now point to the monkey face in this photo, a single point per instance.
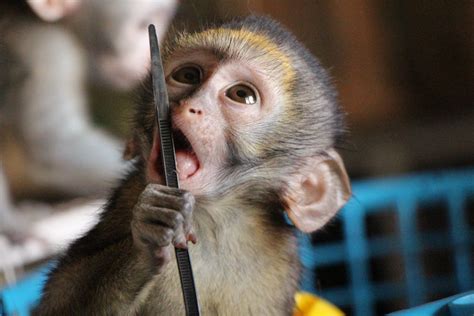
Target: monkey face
pixel 216 106
pixel 249 104
pixel 116 37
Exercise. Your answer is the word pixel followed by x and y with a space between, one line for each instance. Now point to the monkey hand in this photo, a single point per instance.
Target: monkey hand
pixel 162 217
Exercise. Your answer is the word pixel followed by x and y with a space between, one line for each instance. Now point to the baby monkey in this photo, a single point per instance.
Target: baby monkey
pixel 255 122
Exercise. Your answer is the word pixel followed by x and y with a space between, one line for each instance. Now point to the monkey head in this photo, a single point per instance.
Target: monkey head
pixel 115 35
pixel 254 115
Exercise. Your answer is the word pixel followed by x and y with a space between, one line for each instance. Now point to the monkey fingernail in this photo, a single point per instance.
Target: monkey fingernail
pixel 192 238
pixel 180 242
pixel 182 245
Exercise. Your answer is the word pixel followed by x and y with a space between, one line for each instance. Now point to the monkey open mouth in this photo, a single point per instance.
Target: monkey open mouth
pixel 187 162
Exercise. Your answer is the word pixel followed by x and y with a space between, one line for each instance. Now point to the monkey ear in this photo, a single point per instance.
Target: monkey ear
pixel 53 10
pixel 316 194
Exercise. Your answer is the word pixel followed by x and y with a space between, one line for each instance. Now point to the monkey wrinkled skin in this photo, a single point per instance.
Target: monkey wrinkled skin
pixel 255 122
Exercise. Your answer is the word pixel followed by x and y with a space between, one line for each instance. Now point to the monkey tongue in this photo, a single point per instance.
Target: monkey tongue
pixel 186 163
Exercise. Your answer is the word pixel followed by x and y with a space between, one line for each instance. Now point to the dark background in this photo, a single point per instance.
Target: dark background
pixel 403 69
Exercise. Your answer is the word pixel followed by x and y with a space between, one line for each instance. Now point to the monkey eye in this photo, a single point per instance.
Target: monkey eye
pixel 189 75
pixel 242 93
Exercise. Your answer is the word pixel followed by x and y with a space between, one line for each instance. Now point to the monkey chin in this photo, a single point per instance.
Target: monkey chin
pixel 187 162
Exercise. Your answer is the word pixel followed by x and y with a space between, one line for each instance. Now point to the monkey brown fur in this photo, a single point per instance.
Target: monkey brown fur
pixel 255 123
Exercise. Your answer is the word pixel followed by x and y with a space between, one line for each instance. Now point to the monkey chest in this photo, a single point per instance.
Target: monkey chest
pixel 224 287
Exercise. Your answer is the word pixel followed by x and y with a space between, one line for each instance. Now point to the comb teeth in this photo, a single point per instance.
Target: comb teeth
pixel 167 150
pixel 187 282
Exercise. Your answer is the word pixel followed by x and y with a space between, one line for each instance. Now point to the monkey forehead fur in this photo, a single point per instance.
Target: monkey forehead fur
pixel 312 104
pixel 312 120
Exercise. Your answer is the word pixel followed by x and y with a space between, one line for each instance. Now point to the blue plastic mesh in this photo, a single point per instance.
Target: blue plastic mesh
pixel 404 198
pixel 19 299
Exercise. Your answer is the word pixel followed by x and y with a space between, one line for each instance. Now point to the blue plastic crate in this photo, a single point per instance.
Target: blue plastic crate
pixel 457 305
pixel 404 195
pixel 20 298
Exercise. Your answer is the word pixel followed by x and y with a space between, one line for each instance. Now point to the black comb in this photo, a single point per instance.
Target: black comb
pixel 163 119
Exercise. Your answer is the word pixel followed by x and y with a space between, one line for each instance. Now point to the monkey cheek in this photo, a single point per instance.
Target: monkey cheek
pixel 154 168
pixel 154 177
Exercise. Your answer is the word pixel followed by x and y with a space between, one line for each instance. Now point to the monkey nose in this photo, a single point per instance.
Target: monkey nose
pixel 194 110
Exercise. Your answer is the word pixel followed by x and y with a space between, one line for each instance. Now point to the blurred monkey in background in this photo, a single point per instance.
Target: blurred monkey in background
pixel 49 50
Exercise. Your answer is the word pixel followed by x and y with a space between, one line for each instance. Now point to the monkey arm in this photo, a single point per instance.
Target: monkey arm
pixel 104 282
pixel 105 271
pixel 102 272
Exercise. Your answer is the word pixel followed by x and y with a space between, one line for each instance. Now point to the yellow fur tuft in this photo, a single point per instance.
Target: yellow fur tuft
pixel 239 42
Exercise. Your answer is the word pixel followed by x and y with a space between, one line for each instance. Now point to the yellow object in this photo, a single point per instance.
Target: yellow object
pixel 310 305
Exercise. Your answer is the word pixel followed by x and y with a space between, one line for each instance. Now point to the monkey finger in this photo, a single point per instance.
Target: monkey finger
pixel 191 236
pixel 179 239
pixel 187 212
pixel 172 198
pixel 166 189
pixel 161 256
pixel 152 235
pixel 188 227
pixel 184 202
pixel 159 216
